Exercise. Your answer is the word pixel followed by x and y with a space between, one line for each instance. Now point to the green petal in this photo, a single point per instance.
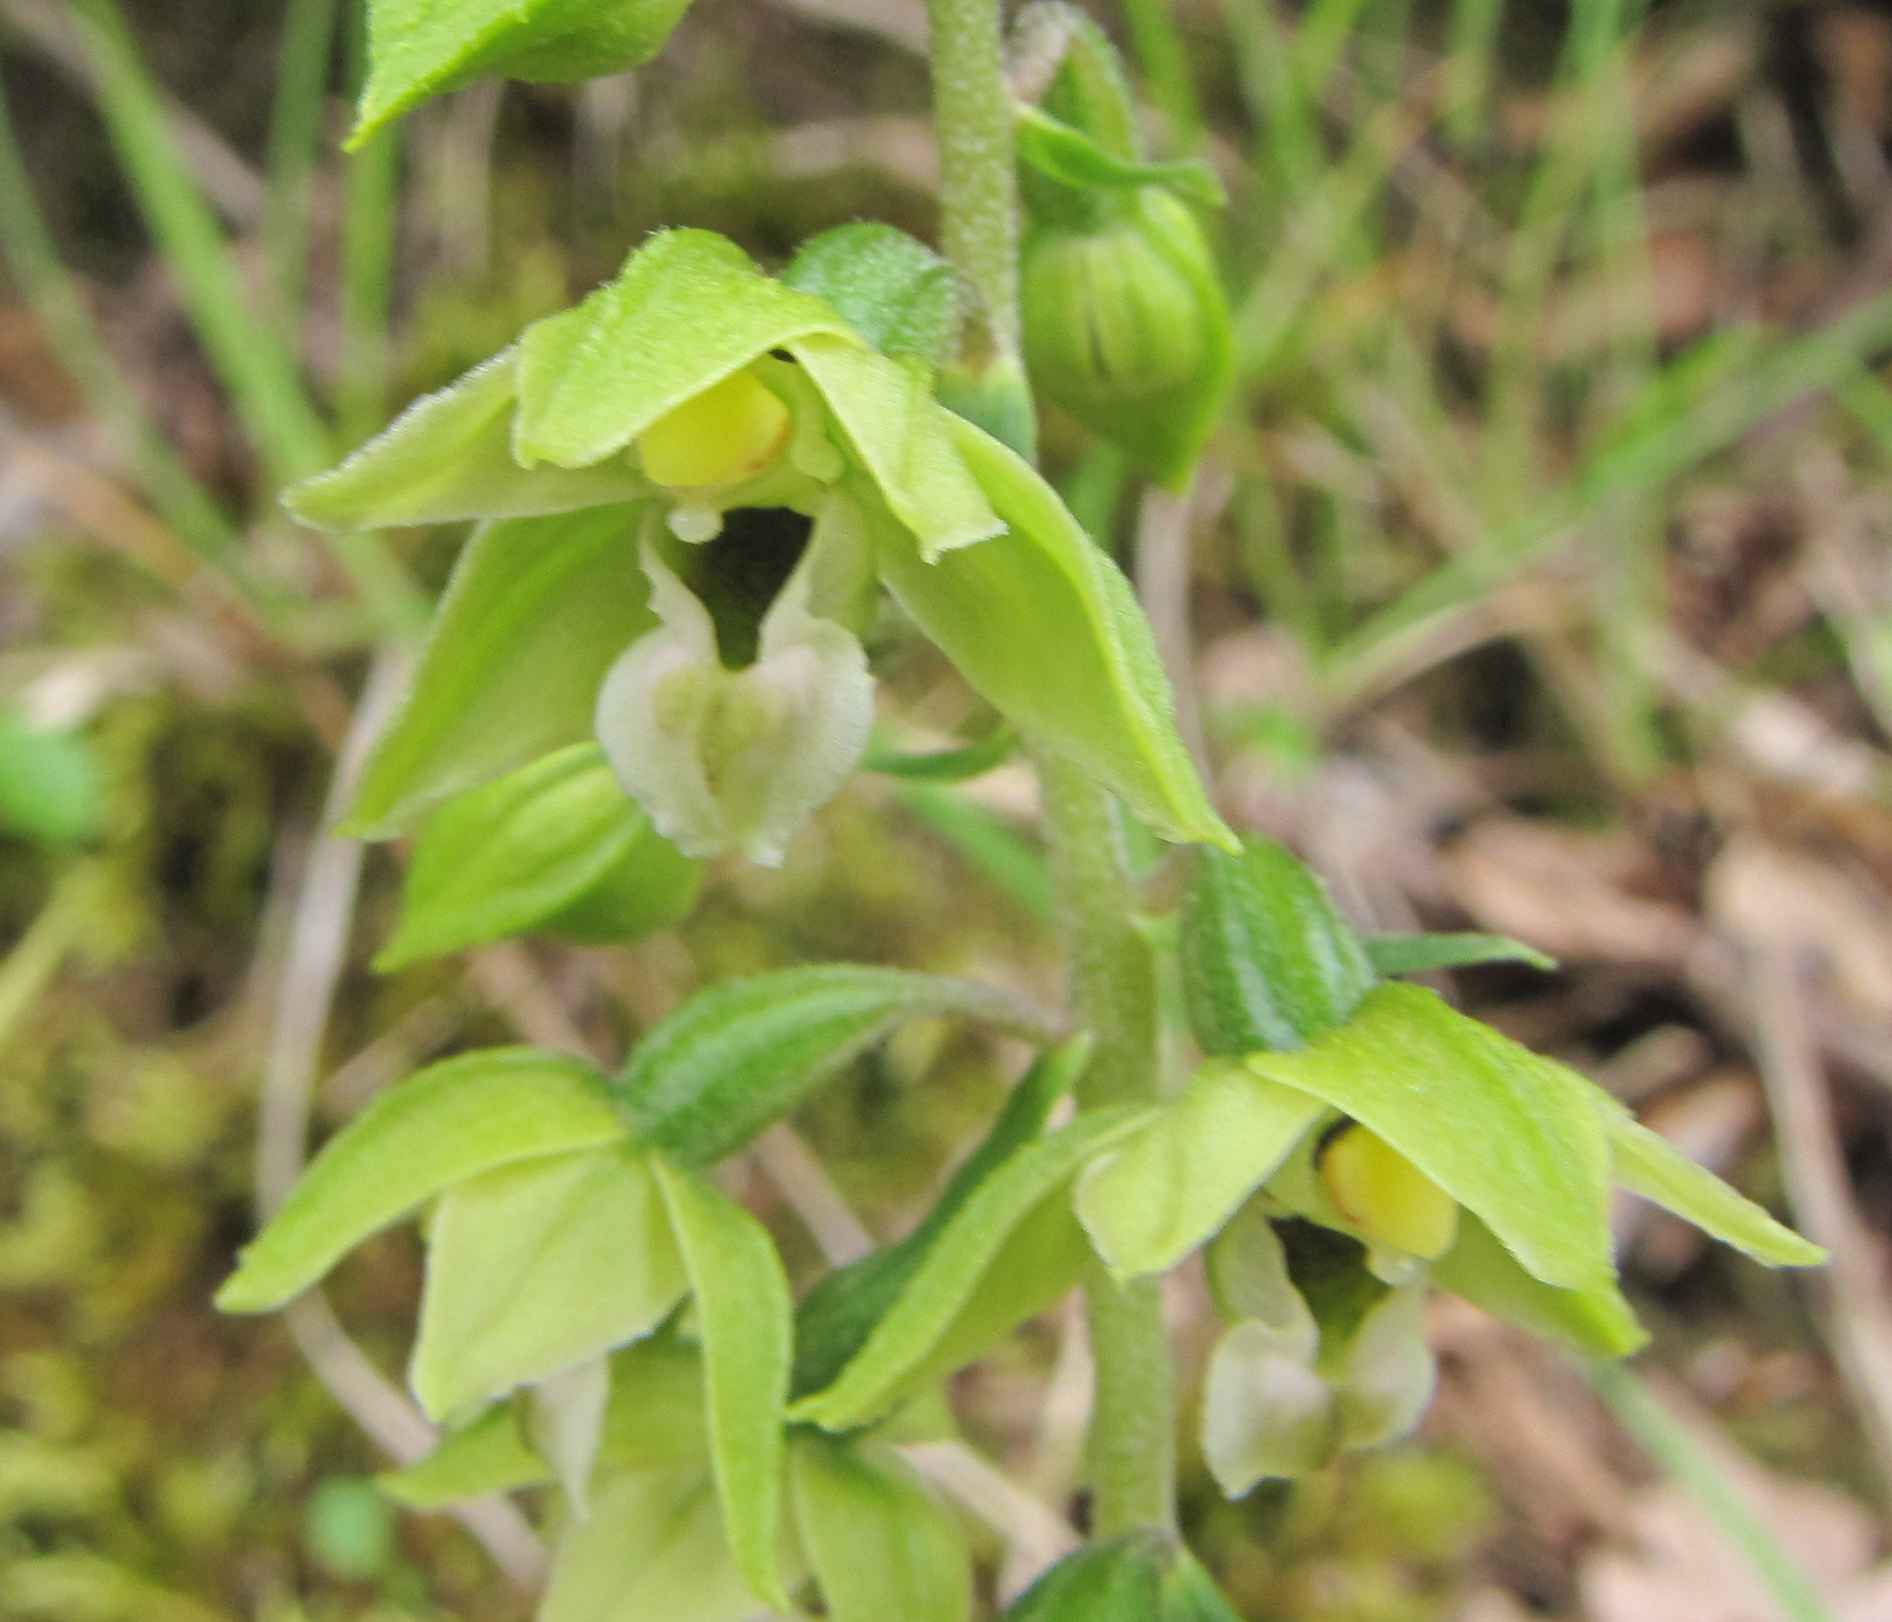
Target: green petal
pixel 535 614
pixel 688 309
pixel 1515 1138
pixel 1151 1202
pixel 1649 1165
pixel 1048 631
pixel 450 1122
pixel 448 457
pixel 534 1269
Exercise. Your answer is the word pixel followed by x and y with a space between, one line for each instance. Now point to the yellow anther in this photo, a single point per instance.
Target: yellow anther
pixel 1386 1196
pixel 728 433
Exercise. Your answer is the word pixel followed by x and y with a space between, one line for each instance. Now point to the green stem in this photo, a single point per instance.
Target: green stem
pixel 1113 988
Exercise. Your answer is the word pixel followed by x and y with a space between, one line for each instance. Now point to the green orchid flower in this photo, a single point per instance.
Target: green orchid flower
pixel 687 488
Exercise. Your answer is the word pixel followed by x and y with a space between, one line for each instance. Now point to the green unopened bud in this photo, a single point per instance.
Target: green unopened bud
pixel 1389 1199
pixel 1126 328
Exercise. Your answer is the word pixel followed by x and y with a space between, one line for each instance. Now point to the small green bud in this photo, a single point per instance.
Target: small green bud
pixel 1127 328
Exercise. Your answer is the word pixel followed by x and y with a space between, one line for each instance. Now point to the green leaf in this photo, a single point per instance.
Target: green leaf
pixel 537 611
pixel 881 1545
pixel 452 1121
pixel 747 1325
pixel 1012 1249
pixel 737 1057
pixel 1268 963
pixel 1596 1321
pixel 1166 1190
pixel 840 1312
pixel 652 1547
pixel 422 48
pixel 1118 1581
pixel 1648 1164
pixel 448 457
pixel 1047 630
pixel 904 439
pixel 687 310
pixel 1063 153
pixel 1421 954
pixel 490 1454
pixel 557 844
pixel 891 288
pixel 51 789
pixel 533 1269
pixel 1516 1139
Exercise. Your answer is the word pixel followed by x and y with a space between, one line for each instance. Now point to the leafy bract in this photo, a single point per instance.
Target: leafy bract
pixel 740 1055
pixel 747 1324
pixel 881 1545
pixel 1597 1321
pixel 452 1121
pixel 1268 963
pixel 490 1454
pixel 652 1546
pixel 687 310
pixel 448 457
pixel 1515 1138
pixel 1064 153
pixel 555 845
pixel 1047 630
pixel 537 610
pixel 1009 1251
pixel 1165 1190
pixel 1648 1164
pixel 1420 954
pixel 892 289
pixel 534 1269
pixel 421 48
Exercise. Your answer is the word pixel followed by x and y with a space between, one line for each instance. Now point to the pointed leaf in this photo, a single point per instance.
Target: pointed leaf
pixel 747 1325
pixel 737 1057
pixel 448 457
pixel 687 310
pixel 881 1545
pixel 489 1455
pixel 1598 1321
pixel 1047 630
pixel 551 844
pixel 1165 1191
pixel 534 1269
pixel 1649 1165
pixel 450 1122
pixel 652 1547
pixel 421 48
pixel 1006 1254
pixel 1063 153
pixel 536 612
pixel 890 288
pixel 1421 954
pixel 1515 1138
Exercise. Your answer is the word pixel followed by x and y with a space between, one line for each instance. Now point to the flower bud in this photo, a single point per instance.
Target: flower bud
pixel 728 434
pixel 1126 327
pixel 1384 1195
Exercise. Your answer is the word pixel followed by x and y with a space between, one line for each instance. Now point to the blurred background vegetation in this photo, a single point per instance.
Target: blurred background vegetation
pixel 1539 583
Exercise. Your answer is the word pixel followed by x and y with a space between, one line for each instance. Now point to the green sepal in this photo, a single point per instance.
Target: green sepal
pixel 487 1455
pixel 1047 631
pixel 892 289
pixel 418 49
pixel 1648 1164
pixel 1597 1321
pixel 1144 1576
pixel 1516 1139
pixel 1268 962
pixel 556 845
pixel 882 1547
pixel 1421 954
pixel 534 1269
pixel 688 309
pixel 448 457
pixel 746 1319
pixel 946 765
pixel 742 1054
pixel 1009 1252
pixel 1065 154
pixel 838 1314
pixel 654 1545
pixel 1166 1190
pixel 537 611
pixel 51 789
pixel 452 1121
